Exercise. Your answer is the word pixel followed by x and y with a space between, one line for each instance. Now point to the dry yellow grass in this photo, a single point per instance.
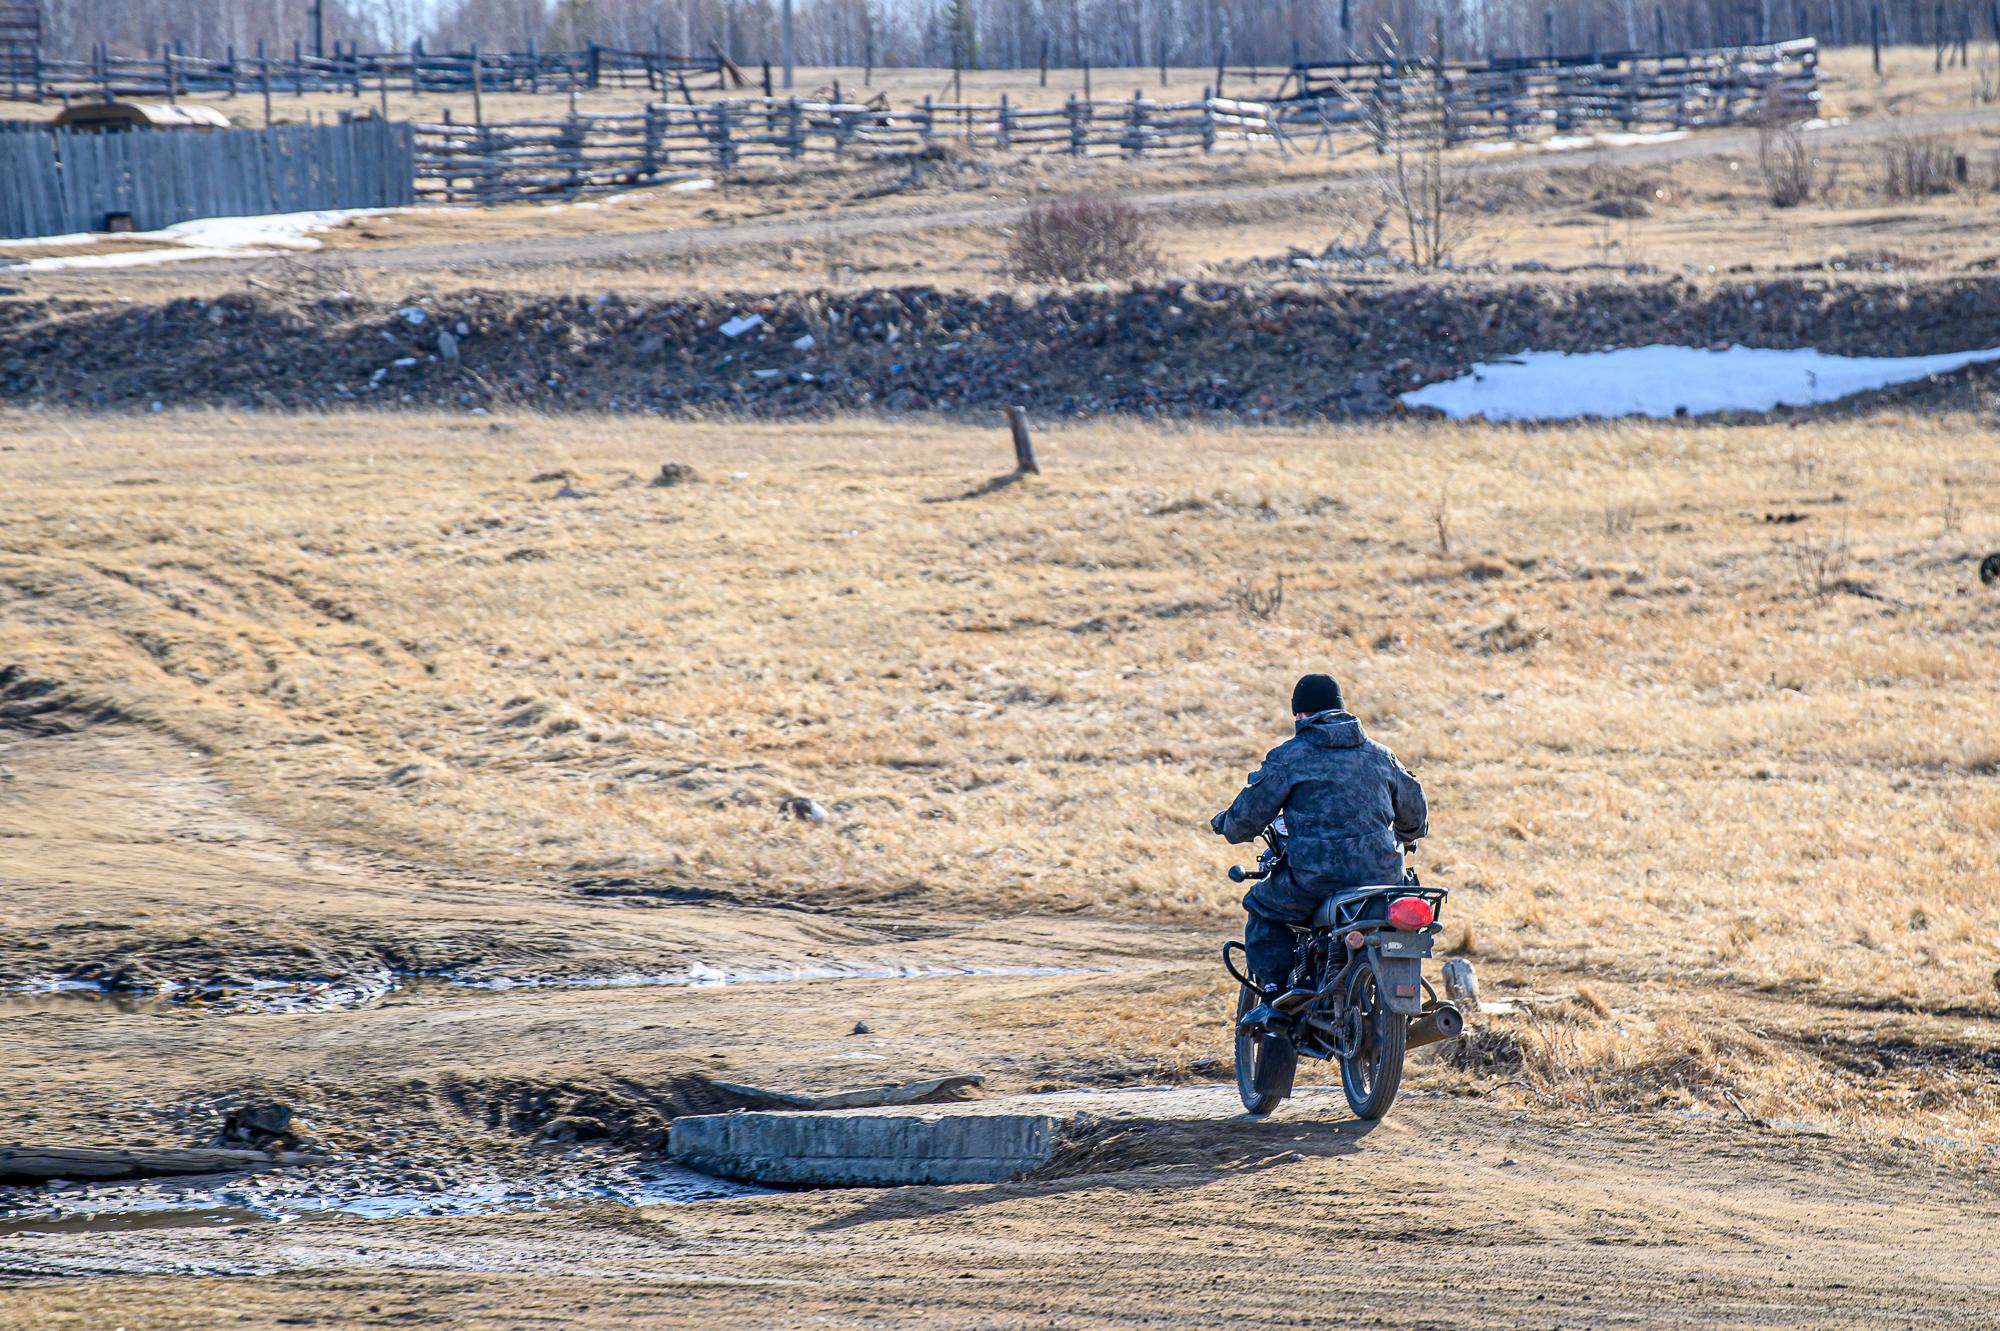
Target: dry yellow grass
pixel 1691 758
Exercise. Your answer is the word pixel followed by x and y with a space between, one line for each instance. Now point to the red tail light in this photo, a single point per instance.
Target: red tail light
pixel 1410 912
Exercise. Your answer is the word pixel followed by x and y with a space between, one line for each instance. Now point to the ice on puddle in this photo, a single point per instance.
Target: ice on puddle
pixel 1661 381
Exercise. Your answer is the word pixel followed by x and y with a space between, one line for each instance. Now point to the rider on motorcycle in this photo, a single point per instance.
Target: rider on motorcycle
pixel 1348 808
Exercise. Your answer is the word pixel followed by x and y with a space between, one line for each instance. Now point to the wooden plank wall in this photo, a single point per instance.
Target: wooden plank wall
pixel 58 183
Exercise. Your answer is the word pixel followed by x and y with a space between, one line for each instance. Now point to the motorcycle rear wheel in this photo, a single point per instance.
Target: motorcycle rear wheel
pixel 1372 1073
pixel 1265 1064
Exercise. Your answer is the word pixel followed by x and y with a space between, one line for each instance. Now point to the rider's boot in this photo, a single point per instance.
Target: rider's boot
pixel 1264 1014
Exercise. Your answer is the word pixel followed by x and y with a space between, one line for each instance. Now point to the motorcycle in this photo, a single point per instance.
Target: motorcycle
pixel 1357 994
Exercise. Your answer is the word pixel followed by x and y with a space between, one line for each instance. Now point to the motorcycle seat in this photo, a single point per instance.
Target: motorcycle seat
pixel 1331 910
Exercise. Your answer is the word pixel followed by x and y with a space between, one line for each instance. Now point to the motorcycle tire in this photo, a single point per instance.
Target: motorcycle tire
pixel 1372 1073
pixel 1265 1064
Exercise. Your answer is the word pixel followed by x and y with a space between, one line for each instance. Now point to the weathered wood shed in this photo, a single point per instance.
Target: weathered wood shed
pixel 123 117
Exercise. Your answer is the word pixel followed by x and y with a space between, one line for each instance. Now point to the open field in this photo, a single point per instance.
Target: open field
pixel 487 755
pixel 326 694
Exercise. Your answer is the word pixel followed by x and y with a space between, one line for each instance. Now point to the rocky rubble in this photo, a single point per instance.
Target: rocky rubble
pixel 1175 349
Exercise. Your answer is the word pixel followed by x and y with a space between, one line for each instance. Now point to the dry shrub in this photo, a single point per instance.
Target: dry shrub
pixel 1082 238
pixel 1792 174
pixel 1916 166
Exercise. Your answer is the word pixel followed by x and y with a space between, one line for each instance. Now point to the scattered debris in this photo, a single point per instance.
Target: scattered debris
pixel 863 1028
pixel 1175 349
pixel 675 473
pixel 1989 569
pixel 805 810
pixel 262 1126
pixel 1461 985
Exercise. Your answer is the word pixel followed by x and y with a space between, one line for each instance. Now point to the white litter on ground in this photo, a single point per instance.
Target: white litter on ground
pixel 1665 381
pixel 202 238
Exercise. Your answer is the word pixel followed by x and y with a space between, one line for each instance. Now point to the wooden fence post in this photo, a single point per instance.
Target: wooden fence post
pixel 929 127
pixel 1207 120
pixel 1138 131
pixel 1004 138
pixel 478 107
pixel 1024 446
pixel 725 149
pixel 1875 33
pixel 230 52
pixel 795 137
pixel 1075 127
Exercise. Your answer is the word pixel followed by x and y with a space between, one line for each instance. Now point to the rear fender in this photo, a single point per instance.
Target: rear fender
pixel 1400 980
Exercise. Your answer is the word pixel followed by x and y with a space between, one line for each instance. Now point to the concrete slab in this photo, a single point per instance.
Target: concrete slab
pixel 975 1141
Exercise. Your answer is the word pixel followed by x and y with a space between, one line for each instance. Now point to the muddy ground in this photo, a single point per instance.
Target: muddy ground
pixel 1461 1210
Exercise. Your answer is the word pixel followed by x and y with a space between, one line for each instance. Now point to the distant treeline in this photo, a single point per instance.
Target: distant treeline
pixel 1013 33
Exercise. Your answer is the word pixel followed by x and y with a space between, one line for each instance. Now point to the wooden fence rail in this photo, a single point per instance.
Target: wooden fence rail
pixel 26 75
pixel 1376 107
pixel 58 183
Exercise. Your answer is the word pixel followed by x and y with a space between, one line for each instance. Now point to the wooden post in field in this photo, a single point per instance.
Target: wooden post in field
pixel 1875 33
pixel 478 108
pixel 1024 447
pixel 1659 30
pixel 1045 60
pixel 264 80
pixel 1221 59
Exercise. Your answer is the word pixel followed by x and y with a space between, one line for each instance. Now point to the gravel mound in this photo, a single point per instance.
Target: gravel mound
pixel 1176 349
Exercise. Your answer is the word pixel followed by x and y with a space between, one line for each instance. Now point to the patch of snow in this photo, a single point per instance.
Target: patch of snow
pixel 1661 381
pixel 684 186
pixel 412 315
pixel 740 325
pixel 201 238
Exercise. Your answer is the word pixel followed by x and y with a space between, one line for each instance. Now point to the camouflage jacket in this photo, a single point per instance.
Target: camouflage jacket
pixel 1348 805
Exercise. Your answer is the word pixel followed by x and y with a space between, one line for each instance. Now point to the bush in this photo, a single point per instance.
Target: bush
pixel 1792 174
pixel 1082 238
pixel 1915 167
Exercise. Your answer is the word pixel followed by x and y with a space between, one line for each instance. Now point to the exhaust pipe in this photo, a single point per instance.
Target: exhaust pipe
pixel 1443 1022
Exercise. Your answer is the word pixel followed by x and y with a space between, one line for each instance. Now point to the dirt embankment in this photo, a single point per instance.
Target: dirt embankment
pixel 1173 350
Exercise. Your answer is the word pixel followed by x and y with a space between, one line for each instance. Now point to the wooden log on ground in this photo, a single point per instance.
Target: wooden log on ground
pixel 908 1093
pixel 41 1164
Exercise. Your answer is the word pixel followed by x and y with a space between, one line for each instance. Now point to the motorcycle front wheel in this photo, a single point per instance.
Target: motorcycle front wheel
pixel 1373 1068
pixel 1265 1064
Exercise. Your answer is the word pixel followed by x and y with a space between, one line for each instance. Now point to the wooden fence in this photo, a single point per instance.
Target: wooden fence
pixel 25 75
pixel 57 183
pixel 1375 107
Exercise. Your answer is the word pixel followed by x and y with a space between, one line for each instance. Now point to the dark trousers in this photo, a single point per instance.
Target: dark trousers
pixel 1276 904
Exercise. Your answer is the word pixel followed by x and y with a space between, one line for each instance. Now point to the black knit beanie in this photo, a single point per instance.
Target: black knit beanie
pixel 1314 694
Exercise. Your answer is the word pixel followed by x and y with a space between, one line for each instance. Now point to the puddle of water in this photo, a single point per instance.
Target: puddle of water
pixel 329 994
pixel 318 993
pixel 114 1208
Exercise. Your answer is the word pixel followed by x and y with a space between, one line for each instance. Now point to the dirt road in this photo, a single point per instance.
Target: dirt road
pixel 582 247
pixel 1457 1211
